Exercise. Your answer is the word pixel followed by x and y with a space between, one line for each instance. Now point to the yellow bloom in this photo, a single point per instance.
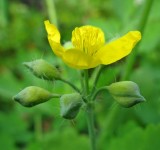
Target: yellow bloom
pixel 89 48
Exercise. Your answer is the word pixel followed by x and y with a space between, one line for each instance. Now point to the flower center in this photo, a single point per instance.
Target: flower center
pixel 88 38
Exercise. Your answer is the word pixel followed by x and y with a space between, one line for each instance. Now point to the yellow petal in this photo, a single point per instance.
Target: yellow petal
pixel 52 31
pixel 54 38
pixel 57 48
pixel 119 48
pixel 78 59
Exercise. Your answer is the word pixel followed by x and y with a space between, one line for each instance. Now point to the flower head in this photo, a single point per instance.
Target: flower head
pixel 89 48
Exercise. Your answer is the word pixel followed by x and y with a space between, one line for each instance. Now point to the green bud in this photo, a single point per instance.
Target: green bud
pixel 42 69
pixel 70 105
pixel 126 93
pixel 32 95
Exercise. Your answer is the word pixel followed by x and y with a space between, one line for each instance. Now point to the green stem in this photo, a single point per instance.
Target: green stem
pixel 89 112
pixel 70 84
pixel 51 11
pixel 86 82
pixel 145 15
pixel 90 122
pixel 131 58
pixel 82 82
pixel 97 92
pixel 100 68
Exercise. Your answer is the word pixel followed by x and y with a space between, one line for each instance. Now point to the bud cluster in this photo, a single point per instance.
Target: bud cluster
pixel 125 93
pixel 70 104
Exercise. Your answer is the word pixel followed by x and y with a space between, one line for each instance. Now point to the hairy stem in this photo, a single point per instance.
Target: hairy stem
pixel 101 67
pixel 97 92
pixel 86 82
pixel 89 112
pixel 91 128
pixel 70 84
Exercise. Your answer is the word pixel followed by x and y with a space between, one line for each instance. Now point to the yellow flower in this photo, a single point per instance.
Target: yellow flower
pixel 89 48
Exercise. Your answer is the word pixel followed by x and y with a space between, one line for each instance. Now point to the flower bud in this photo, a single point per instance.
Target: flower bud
pixel 70 105
pixel 126 93
pixel 42 69
pixel 32 95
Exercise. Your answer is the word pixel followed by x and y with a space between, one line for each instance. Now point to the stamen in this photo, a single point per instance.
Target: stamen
pixel 88 39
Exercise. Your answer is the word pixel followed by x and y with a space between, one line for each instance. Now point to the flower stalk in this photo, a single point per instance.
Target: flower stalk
pixel 99 70
pixel 91 126
pixel 86 83
pixel 51 11
pixel 70 84
pixel 89 112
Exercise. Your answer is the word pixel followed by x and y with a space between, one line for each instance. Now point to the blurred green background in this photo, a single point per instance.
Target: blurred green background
pixel 23 38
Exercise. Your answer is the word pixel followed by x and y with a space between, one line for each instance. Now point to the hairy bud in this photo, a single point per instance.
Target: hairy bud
pixel 70 105
pixel 32 95
pixel 126 93
pixel 42 69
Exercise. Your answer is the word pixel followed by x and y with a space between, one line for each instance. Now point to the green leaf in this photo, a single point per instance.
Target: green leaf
pixel 137 138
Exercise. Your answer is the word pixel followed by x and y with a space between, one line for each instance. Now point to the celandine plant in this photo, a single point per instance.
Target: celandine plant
pixel 88 50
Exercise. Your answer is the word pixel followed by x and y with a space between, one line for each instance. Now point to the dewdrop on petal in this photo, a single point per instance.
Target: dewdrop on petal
pixel 32 95
pixel 70 105
pixel 126 93
pixel 42 69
